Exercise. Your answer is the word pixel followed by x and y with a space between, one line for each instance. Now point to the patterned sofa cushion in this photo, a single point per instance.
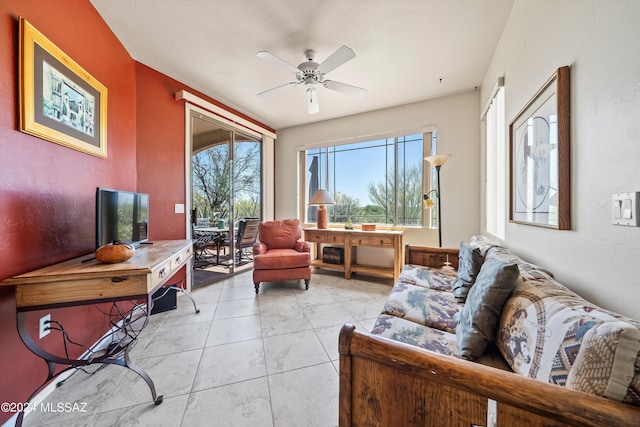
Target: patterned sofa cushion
pixel 549 333
pixel 409 332
pixel 424 306
pixel 427 277
pixel 431 339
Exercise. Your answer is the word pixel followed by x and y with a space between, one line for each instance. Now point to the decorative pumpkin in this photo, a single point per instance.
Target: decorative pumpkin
pixel 114 252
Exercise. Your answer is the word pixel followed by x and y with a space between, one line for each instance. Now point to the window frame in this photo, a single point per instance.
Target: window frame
pixel 429 138
pixel 495 162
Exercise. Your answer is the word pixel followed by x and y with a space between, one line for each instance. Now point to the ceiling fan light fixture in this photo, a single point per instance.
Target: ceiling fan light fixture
pixel 312 101
pixel 311 74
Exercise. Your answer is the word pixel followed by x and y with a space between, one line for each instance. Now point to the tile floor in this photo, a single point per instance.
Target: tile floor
pixel 245 360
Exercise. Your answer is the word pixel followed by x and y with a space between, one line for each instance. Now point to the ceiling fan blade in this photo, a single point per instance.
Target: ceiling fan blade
pixel 278 88
pixel 337 58
pixel 354 91
pixel 268 56
pixel 312 101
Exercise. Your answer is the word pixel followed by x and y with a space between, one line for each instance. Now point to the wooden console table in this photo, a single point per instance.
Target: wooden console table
pixel 351 240
pixel 85 281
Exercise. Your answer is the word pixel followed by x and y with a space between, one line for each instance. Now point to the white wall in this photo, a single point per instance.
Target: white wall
pixel 457 119
pixel 601 42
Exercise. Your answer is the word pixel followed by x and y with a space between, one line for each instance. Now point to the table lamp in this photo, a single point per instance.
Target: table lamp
pixel 320 199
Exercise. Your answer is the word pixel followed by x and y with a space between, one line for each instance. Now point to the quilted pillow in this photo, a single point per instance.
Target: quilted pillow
pixel 479 316
pixel 469 264
pixel 550 333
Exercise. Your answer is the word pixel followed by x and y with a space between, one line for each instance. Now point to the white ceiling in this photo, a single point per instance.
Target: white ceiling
pixel 406 50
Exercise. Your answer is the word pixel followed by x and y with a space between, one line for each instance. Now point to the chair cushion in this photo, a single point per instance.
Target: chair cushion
pixel 279 259
pixel 280 234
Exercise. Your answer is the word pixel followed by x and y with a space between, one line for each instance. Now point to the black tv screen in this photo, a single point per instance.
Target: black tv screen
pixel 121 215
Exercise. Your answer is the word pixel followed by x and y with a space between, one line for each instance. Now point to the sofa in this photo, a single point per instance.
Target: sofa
pixel 545 357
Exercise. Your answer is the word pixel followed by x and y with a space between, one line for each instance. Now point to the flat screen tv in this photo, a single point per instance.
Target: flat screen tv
pixel 121 215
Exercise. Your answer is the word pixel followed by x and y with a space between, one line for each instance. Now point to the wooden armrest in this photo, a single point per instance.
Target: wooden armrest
pixel 430 256
pixel 408 385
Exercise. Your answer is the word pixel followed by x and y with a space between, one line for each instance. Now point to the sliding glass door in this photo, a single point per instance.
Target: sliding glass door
pixel 226 167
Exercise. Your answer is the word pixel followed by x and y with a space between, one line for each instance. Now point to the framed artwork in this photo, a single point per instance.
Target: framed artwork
pixel 539 157
pixel 59 100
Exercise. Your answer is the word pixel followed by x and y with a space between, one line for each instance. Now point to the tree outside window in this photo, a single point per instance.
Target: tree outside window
pixel 378 181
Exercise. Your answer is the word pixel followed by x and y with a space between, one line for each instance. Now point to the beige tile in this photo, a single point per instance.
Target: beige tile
pixel 88 392
pixel 236 308
pixel 307 396
pixel 241 404
pixel 348 292
pixel 236 329
pixel 230 363
pixel 315 296
pixel 185 314
pixel 284 322
pixel 366 325
pixel 240 280
pixel 293 351
pixel 362 308
pixel 88 421
pixel 172 374
pixel 173 339
pixel 277 302
pixel 237 292
pixel 168 414
pixel 327 315
pixel 329 338
pixel 207 294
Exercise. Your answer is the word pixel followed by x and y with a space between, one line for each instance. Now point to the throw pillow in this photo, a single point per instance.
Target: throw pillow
pixel 469 264
pixel 479 316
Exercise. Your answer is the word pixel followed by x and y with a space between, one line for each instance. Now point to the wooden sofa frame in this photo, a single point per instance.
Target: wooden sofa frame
pixel 388 383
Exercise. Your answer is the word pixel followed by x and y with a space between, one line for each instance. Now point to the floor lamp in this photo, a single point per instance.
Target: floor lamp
pixel 438 160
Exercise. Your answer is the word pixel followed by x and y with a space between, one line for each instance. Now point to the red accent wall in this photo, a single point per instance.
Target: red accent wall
pixel 47 191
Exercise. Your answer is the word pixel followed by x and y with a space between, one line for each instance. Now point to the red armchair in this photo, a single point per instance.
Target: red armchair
pixel 280 254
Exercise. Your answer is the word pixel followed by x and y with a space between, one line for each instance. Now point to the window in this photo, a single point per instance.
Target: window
pixel 380 181
pixel 495 165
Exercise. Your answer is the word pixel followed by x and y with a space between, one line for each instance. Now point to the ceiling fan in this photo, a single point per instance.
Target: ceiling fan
pixel 312 74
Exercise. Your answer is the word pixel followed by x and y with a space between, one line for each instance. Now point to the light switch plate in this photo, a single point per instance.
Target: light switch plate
pixel 624 209
pixel 179 208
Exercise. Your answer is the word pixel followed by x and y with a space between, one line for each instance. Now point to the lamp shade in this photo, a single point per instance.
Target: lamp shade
pixel 428 202
pixel 438 159
pixel 321 197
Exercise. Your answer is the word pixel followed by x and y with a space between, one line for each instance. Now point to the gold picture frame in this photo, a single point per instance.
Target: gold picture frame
pixel 59 100
pixel 539 142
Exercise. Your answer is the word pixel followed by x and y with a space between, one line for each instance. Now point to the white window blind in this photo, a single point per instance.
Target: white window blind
pixel 495 165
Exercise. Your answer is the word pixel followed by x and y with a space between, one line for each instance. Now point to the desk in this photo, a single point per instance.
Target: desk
pixel 85 281
pixel 350 240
